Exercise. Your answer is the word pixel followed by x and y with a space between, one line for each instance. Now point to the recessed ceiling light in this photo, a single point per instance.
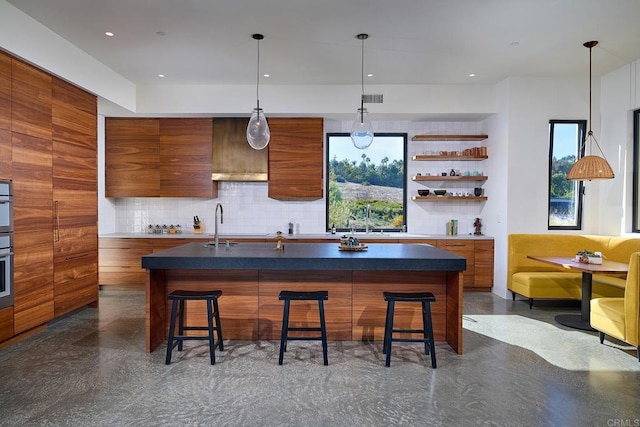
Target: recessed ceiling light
pixel 267 75
pixel 472 74
pixel 109 33
pixel 515 43
pixel 369 75
pixel 160 75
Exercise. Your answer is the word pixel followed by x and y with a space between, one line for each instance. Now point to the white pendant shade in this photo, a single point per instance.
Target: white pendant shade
pixel 362 130
pixel 258 133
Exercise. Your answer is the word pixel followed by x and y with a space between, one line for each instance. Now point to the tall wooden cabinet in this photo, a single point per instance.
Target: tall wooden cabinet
pixel 33 196
pixel 295 158
pixel 75 202
pixel 159 158
pixel 48 146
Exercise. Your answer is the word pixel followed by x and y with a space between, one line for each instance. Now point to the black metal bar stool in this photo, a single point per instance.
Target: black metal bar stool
pixel 425 298
pixel 178 299
pixel 287 297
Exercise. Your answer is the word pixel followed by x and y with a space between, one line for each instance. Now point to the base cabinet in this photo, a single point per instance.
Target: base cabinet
pixel 120 258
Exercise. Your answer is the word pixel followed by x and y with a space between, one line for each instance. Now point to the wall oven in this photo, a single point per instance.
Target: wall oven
pixel 6 206
pixel 6 270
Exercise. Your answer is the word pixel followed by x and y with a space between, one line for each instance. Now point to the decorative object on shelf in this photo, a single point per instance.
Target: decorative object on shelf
pixel 477 224
pixel 440 192
pixel 423 192
pixel 362 129
pixel 590 167
pixel 477 191
pixel 258 133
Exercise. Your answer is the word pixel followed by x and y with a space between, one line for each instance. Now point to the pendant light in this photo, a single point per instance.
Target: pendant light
pixel 590 167
pixel 258 133
pixel 362 130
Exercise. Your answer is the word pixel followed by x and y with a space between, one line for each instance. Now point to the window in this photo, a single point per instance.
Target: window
pixel 366 181
pixel 566 144
pixel 635 227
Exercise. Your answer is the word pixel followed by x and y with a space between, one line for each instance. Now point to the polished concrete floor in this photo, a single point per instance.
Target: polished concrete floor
pixel 518 368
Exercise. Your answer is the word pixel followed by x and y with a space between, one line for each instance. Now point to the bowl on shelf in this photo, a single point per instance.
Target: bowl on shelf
pixel 440 192
pixel 423 192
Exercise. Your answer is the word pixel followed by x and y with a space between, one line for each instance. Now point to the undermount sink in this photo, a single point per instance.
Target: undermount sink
pixel 223 243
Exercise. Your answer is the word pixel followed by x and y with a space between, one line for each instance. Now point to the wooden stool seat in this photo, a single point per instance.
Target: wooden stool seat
pixel 287 297
pixel 425 298
pixel 178 298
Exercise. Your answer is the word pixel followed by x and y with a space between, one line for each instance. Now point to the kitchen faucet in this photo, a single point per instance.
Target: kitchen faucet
pixel 215 230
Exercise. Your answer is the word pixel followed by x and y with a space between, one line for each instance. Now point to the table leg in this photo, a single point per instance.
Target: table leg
pixel 583 321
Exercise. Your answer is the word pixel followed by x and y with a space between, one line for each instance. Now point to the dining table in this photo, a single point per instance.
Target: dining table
pixel 582 321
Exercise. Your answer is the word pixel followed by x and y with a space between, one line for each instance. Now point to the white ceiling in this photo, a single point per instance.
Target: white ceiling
pixel 313 41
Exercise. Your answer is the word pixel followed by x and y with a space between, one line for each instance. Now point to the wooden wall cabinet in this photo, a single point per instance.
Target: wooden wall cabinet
pixel 166 157
pixel 295 159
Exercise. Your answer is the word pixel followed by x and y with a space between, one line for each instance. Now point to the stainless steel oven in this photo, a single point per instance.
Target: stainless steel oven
pixel 6 206
pixel 6 270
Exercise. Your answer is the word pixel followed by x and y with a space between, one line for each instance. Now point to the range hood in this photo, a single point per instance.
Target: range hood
pixel 233 157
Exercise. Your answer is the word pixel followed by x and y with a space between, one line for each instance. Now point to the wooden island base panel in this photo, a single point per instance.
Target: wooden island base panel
pixel 252 275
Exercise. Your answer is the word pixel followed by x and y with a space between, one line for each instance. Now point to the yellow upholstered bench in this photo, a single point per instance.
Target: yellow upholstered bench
pixel 620 317
pixel 536 280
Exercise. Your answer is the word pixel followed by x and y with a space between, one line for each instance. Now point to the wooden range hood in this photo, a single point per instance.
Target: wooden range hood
pixel 233 158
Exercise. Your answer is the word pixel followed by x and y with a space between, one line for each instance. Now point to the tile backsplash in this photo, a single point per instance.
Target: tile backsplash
pixel 248 209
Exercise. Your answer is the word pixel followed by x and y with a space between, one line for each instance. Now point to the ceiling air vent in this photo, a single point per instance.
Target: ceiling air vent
pixel 372 99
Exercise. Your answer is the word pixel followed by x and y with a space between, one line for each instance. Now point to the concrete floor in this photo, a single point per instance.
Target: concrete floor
pixel 518 368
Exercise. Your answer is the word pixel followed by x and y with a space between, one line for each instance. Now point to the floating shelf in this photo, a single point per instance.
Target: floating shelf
pixel 449 137
pixel 449 178
pixel 448 198
pixel 424 157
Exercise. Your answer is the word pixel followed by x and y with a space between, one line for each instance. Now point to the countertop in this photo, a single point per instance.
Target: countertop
pixel 322 236
pixel 305 256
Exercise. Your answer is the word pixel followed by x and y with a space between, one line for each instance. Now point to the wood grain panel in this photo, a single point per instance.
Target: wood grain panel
pixel 5 93
pixel 74 115
pixel 369 306
pixel 30 100
pixel 155 309
pixel 120 264
pixel 132 157
pixel 34 316
pixel 186 158
pixel 483 264
pixel 143 244
pixel 337 307
pixel 295 159
pixel 238 303
pixel 465 248
pixel 454 299
pixel 6 323
pixel 76 282
pixel 6 170
pixel 120 278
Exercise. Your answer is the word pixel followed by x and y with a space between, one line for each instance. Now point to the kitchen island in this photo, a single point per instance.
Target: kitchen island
pixel 251 275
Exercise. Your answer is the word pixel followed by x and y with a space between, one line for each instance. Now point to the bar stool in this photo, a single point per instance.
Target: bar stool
pixel 178 299
pixel 287 297
pixel 425 298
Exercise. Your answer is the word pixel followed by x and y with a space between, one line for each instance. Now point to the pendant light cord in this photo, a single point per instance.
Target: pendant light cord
pixel 590 131
pixel 258 80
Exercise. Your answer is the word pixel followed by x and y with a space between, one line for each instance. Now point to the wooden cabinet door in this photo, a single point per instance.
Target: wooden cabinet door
pixel 295 159
pixel 483 264
pixel 30 100
pixel 75 206
pixel 33 228
pixel 464 248
pixel 185 158
pixel 120 263
pixel 132 157
pixel 5 92
pixel 5 116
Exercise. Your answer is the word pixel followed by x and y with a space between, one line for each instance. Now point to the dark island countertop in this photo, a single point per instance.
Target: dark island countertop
pixel 304 256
